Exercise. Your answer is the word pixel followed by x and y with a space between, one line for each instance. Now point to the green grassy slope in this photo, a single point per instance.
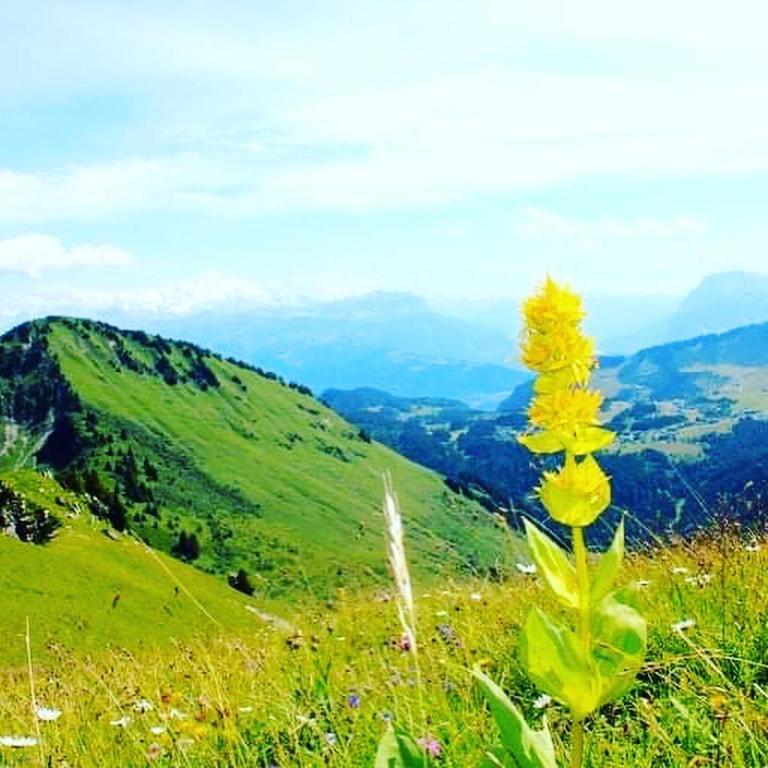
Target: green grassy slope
pixel 85 590
pixel 271 698
pixel 264 475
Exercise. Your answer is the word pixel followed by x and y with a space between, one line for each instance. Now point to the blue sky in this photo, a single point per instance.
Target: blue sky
pixel 172 156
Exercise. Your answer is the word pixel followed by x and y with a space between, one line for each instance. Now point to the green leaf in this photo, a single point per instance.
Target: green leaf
pixel 528 748
pixel 541 442
pixel 398 750
pixel 558 665
pixel 608 567
pixel 553 565
pixel 620 638
pixel 495 759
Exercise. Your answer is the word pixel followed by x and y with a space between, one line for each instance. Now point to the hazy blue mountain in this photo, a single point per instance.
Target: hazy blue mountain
pixel 720 302
pixel 391 341
pixel 608 316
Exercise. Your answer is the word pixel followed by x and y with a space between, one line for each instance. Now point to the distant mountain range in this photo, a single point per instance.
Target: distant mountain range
pixel 391 341
pixel 719 303
pixel 692 419
pixel 464 350
pixel 409 347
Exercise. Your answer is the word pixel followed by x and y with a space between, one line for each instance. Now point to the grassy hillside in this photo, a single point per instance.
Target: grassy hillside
pixel 179 443
pixel 87 590
pixel 322 697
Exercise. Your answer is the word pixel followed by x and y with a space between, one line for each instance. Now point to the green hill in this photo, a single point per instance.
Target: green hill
pixel 221 463
pixel 86 590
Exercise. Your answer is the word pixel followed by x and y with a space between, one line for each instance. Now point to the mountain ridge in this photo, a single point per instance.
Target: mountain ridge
pixel 174 440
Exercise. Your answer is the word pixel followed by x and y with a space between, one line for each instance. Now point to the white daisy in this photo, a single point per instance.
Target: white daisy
pixel 122 722
pixel 681 626
pixel 47 714
pixel 542 702
pixel 18 741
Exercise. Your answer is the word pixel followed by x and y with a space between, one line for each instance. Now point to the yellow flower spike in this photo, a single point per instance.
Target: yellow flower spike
pixel 564 350
pixel 577 494
pixel 565 410
pixel 553 306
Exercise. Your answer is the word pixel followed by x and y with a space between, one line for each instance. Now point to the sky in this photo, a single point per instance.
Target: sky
pixel 180 155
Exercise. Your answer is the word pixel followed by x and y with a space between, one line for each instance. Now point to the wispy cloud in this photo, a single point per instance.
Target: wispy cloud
pixel 208 290
pixel 35 255
pixel 535 222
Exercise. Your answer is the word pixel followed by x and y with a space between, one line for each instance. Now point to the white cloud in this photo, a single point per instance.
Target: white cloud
pixel 209 290
pixel 34 254
pixel 535 222
pixel 441 139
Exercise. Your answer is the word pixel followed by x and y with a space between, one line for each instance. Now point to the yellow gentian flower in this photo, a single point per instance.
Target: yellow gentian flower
pixel 566 409
pixel 577 493
pixel 552 307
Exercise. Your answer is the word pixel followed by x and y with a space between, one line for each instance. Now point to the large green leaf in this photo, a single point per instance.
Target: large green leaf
pixel 398 750
pixel 608 567
pixel 558 664
pixel 620 639
pixel 526 747
pixel 553 564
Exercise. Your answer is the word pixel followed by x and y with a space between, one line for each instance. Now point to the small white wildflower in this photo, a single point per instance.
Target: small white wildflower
pixel 529 569
pixel 330 739
pixel 642 583
pixel 304 720
pixel 753 547
pixel 681 626
pixel 157 730
pixel 176 714
pixel 699 580
pixel 47 714
pixel 476 596
pixel 18 741
pixel 122 722
pixel 142 705
pixel 542 702
pixel 245 710
pixel 679 571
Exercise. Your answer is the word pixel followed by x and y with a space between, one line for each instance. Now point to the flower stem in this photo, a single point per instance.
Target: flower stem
pixel 582 574
pixel 583 631
pixel 577 745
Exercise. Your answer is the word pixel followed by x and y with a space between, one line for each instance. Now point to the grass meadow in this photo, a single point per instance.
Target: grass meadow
pixel 317 688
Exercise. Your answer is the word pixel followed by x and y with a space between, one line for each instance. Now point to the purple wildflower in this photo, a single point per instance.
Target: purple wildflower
pixel 430 745
pixel 353 701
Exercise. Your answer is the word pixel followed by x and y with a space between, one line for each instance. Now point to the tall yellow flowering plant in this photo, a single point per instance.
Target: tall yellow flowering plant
pixel 595 658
